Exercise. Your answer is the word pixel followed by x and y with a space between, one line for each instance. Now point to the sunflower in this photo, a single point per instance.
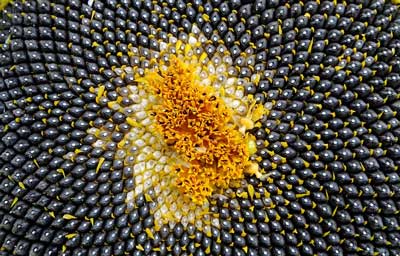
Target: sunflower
pixel 199 127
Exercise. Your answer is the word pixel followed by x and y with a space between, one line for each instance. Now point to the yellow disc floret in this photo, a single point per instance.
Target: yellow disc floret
pixel 3 4
pixel 199 126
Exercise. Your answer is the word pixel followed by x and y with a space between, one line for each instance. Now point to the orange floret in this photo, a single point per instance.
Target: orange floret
pixel 198 125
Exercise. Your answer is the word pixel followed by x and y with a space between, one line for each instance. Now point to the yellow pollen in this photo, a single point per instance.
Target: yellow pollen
pixel 199 126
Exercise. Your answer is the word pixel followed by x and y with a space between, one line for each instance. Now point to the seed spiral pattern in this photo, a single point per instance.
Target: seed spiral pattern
pixel 322 79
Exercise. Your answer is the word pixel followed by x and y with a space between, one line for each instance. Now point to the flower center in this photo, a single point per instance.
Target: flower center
pixel 197 124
